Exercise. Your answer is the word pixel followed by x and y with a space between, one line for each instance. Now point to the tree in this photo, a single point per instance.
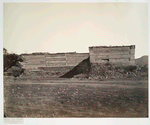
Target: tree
pixel 11 60
pixel 4 51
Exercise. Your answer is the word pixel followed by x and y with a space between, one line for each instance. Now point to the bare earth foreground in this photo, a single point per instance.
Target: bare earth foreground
pixel 75 98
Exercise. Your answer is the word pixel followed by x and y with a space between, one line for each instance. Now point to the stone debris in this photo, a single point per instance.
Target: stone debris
pixel 103 71
pixel 98 72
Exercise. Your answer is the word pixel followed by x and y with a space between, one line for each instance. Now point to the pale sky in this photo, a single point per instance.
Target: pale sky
pixel 69 27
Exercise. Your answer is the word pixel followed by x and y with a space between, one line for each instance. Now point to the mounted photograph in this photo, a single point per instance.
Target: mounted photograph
pixel 72 60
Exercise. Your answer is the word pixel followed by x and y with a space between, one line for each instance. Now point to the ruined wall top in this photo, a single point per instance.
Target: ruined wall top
pixel 46 53
pixel 131 46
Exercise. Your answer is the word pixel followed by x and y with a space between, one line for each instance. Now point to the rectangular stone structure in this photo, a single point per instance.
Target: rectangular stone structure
pixel 72 59
pixel 119 55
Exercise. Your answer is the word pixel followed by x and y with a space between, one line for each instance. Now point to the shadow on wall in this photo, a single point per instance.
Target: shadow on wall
pixel 82 67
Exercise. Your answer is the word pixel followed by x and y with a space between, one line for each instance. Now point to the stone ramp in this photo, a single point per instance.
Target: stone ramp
pixel 82 67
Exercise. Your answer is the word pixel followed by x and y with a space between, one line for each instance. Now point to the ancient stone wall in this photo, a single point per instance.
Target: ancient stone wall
pixel 35 62
pixel 32 62
pixel 61 63
pixel 120 55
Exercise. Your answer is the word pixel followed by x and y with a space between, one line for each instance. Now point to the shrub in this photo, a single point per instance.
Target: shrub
pixel 130 68
pixel 16 71
pixel 144 68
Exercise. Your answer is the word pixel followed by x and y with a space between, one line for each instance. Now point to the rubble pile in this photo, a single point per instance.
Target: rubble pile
pixel 96 72
pixel 110 71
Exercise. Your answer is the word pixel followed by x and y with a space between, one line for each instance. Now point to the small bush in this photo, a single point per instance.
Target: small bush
pixel 144 68
pixel 130 68
pixel 17 71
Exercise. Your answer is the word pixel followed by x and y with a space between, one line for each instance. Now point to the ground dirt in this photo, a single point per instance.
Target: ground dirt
pixel 56 97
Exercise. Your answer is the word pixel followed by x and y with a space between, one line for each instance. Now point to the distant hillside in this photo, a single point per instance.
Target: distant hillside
pixel 142 61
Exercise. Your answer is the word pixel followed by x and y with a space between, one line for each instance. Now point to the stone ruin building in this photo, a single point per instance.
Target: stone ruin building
pixel 54 63
pixel 64 62
pixel 120 55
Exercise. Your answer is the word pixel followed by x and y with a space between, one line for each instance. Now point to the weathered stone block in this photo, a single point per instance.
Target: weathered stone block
pixel 112 54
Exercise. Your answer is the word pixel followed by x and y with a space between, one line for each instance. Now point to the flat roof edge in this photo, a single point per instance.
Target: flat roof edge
pixel 110 46
pixel 51 53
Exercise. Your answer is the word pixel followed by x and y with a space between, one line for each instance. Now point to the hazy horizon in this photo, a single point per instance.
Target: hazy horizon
pixel 70 27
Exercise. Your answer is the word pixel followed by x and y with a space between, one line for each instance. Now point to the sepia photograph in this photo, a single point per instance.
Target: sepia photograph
pixel 75 60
